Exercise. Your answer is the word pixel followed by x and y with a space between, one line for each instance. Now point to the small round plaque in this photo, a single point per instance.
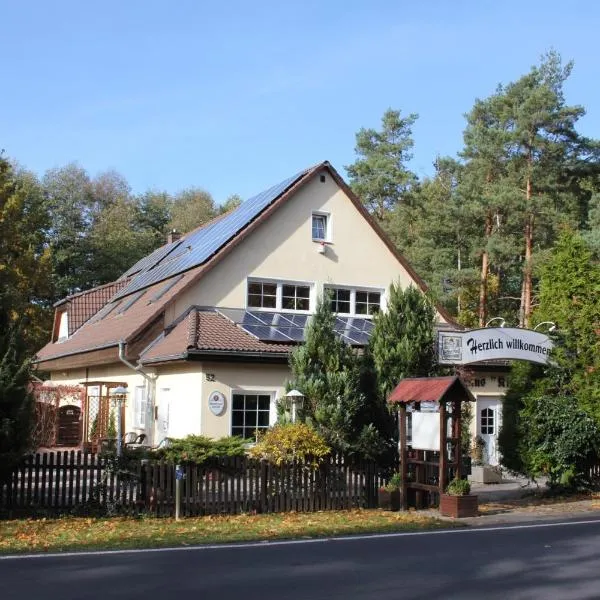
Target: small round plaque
pixel 216 403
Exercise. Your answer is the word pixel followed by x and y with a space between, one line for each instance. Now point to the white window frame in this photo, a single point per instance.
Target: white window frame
pixel 279 295
pixel 353 290
pixel 254 392
pixel 328 235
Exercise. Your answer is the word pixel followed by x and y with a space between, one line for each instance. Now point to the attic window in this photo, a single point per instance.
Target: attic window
pixel 320 227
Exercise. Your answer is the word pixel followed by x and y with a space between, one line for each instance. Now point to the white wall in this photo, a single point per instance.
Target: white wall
pixel 282 248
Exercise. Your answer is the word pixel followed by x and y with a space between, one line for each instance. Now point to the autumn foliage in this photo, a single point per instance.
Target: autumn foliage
pixel 289 442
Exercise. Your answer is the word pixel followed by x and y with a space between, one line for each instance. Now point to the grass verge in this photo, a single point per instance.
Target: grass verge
pixel 72 533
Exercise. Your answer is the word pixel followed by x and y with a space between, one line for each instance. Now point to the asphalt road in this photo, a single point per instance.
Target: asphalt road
pixel 545 562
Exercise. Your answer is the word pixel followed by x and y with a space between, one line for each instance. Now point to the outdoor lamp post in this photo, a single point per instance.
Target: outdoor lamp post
pixel 496 319
pixel 119 397
pixel 296 398
pixel 551 323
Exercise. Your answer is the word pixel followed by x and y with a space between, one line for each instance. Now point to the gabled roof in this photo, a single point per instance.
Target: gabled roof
pixel 429 389
pixel 175 267
pixel 198 246
pixel 207 330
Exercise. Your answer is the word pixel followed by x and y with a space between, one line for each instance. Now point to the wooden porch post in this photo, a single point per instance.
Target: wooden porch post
pixel 443 448
pixel 403 456
pixel 457 434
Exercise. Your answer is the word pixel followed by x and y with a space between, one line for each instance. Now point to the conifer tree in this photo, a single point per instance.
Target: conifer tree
pixel 403 338
pixel 328 374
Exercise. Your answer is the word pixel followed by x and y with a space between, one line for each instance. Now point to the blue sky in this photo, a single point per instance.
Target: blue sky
pixel 234 96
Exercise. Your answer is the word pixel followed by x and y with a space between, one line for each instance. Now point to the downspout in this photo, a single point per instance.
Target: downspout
pixel 151 389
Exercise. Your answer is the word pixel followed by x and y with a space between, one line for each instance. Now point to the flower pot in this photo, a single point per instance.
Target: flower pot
pixel 458 506
pixel 389 500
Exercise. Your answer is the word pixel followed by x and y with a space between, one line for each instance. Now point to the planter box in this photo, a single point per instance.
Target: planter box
pixel 388 500
pixel 485 474
pixel 458 506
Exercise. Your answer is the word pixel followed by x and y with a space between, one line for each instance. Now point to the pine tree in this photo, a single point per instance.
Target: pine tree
pixel 379 176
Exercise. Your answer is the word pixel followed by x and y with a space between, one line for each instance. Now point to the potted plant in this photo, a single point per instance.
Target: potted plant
pixel 480 471
pixel 458 501
pixel 389 494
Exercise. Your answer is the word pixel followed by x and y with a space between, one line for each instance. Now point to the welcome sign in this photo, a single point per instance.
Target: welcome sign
pixel 493 343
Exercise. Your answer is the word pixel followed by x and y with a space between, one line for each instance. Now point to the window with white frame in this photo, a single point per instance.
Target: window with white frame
pixel 279 295
pixel 367 303
pixel 340 300
pixel 295 297
pixel 249 413
pixel 140 406
pixel 487 421
pixel 262 294
pixel 350 301
pixel 320 227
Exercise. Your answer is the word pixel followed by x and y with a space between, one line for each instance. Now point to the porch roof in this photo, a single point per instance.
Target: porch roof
pixel 430 389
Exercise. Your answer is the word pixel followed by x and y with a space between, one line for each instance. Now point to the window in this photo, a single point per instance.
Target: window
pixel 262 295
pixel 63 326
pixel 139 400
pixel 367 303
pixel 340 300
pixel 319 227
pixel 279 296
pixel 487 421
pixel 350 301
pixel 295 297
pixel 249 413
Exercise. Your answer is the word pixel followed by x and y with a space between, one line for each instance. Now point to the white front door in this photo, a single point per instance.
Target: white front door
pixel 489 416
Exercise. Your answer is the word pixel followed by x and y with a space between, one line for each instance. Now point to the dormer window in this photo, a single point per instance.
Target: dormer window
pixel 320 227
pixel 63 326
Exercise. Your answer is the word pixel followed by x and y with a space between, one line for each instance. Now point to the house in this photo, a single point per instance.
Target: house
pixel 200 330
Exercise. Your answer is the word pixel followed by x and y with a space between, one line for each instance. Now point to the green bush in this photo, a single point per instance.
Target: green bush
pixel 458 487
pixel 197 449
pixel 559 440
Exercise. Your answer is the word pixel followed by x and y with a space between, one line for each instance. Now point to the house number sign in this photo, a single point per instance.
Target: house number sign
pixel 216 403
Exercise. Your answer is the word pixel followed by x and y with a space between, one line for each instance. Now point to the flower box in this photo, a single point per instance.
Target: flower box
pixel 389 500
pixel 458 506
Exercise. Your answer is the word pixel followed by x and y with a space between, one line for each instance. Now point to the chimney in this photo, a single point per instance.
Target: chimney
pixel 173 236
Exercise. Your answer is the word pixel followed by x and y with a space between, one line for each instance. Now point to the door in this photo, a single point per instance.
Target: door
pixel 489 415
pixel 69 426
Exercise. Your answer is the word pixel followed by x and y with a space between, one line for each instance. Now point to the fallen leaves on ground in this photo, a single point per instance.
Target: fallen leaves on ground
pixel 72 533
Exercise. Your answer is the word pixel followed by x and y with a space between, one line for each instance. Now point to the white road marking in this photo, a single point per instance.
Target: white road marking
pixel 267 543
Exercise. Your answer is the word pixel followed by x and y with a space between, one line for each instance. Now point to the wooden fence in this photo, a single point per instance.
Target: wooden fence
pixel 61 482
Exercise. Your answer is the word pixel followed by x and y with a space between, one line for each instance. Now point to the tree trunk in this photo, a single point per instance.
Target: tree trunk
pixel 485 267
pixel 525 312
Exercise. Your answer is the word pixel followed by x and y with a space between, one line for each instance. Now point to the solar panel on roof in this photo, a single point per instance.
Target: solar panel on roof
pixel 152 258
pixel 163 290
pixel 287 327
pixel 203 243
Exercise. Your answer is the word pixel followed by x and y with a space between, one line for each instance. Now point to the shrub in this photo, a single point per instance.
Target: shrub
pixel 197 449
pixel 458 487
pixel 288 442
pixel 393 485
pixel 559 440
